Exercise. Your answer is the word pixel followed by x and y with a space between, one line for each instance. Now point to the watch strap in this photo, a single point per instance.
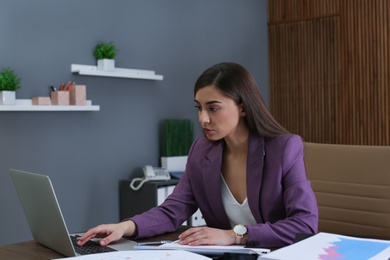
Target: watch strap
pixel 239 239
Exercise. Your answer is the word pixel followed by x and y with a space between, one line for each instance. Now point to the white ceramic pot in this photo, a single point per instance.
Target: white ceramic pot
pixel 7 97
pixel 106 64
pixel 174 163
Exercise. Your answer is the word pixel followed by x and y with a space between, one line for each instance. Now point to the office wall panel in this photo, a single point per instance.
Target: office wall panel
pixel 329 69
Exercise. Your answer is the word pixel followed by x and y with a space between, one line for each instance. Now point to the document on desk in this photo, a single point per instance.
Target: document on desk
pixel 142 255
pixel 333 246
pixel 208 250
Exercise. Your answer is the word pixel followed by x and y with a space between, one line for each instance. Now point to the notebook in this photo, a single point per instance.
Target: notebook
pixel 43 214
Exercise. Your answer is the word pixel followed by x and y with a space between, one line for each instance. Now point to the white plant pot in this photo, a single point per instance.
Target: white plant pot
pixel 174 163
pixel 7 97
pixel 106 64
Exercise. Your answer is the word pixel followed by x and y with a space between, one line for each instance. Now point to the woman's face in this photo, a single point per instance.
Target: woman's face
pixel 218 114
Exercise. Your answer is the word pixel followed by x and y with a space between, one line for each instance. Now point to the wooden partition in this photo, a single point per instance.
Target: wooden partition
pixel 329 69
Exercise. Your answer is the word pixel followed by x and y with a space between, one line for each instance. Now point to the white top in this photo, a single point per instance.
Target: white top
pixel 236 212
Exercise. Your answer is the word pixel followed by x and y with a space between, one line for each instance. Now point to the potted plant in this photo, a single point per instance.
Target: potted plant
pixel 176 139
pixel 105 54
pixel 9 83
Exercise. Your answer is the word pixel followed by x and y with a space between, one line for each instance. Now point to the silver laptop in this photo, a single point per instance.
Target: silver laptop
pixel 43 213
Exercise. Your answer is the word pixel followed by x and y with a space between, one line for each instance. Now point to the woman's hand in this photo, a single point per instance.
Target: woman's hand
pixel 109 232
pixel 207 236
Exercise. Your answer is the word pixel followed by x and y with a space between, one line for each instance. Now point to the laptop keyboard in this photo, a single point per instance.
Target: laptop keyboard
pixel 90 247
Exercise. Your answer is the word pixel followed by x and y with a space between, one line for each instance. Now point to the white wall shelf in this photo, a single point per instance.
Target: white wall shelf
pixel 118 72
pixel 26 105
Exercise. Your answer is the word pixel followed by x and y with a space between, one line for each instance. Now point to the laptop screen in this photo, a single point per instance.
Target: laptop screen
pixel 42 211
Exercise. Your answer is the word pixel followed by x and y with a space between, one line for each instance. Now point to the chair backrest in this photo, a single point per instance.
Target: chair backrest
pixel 352 186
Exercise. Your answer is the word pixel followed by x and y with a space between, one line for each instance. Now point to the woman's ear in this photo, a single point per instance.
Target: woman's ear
pixel 242 110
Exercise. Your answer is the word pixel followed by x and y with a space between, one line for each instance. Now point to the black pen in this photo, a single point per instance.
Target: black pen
pixel 153 243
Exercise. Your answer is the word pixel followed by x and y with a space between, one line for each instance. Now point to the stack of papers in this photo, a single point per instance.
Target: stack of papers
pixel 326 246
pixel 207 250
pixel 142 255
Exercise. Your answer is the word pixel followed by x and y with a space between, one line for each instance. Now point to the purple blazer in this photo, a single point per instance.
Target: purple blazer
pixel 279 195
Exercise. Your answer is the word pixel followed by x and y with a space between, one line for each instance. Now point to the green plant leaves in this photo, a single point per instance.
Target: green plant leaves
pixel 9 81
pixel 105 51
pixel 177 137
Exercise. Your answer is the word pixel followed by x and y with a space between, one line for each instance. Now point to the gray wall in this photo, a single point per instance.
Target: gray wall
pixel 86 154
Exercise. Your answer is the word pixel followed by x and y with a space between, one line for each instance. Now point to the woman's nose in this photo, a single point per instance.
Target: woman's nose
pixel 203 117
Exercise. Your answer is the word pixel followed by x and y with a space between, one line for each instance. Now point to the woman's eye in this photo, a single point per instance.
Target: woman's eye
pixel 197 107
pixel 213 109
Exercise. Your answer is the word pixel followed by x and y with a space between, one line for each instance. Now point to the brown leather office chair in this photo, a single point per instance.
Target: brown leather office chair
pixel 352 186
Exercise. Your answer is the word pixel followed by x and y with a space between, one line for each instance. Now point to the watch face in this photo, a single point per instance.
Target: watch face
pixel 240 229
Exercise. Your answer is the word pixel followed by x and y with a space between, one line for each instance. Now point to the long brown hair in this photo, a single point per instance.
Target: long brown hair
pixel 237 83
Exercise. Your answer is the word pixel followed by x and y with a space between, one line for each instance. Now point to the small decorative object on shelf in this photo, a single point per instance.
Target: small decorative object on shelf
pixel 105 54
pixel 9 83
pixel 60 98
pixel 78 95
pixel 41 101
pixel 176 139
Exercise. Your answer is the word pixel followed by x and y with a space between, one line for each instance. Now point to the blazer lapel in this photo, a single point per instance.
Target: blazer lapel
pixel 254 174
pixel 211 168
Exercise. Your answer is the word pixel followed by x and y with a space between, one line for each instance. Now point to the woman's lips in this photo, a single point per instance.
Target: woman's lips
pixel 207 131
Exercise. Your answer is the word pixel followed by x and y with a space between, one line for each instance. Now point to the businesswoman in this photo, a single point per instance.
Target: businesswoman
pixel 246 175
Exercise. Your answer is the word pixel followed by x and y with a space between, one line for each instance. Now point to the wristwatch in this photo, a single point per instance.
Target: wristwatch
pixel 240 231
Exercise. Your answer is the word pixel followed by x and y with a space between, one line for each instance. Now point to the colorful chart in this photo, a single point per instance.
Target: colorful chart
pixel 346 249
pixel 327 246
